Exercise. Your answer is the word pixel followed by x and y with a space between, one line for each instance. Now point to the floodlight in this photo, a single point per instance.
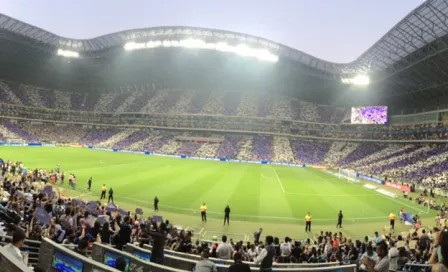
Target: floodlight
pixel 192 43
pixel 360 80
pixel 241 49
pixel 263 54
pixel 222 46
pixel 211 46
pixel 68 53
pixel 134 46
pixel 166 43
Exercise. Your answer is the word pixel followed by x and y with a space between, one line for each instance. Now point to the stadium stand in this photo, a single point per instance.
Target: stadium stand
pixel 288 114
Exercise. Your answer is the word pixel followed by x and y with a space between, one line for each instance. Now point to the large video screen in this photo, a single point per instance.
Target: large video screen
pixel 64 262
pixel 110 258
pixel 376 115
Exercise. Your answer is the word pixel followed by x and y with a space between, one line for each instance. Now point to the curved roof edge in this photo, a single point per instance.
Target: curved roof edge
pixel 420 27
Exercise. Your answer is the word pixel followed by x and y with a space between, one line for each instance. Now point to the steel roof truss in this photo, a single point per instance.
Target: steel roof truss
pixel 406 40
pixel 438 13
pixel 431 28
pixel 393 48
pixel 417 35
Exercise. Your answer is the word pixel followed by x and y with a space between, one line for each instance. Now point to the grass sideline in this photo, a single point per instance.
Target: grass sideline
pixel 273 197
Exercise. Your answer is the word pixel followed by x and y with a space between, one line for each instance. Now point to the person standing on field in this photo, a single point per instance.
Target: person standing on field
pixel 257 235
pixel 392 221
pixel 204 212
pixel 156 204
pixel 308 222
pixel 111 195
pixel 340 216
pixel 103 192
pixel 89 183
pixel 227 215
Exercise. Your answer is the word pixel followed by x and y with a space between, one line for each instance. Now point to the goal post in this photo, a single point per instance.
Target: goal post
pixel 348 175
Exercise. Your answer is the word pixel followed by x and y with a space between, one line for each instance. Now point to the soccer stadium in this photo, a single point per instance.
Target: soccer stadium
pixel 135 147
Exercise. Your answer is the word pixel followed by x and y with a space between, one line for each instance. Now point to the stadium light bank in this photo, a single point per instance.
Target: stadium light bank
pixel 359 80
pixel 68 53
pixel 242 49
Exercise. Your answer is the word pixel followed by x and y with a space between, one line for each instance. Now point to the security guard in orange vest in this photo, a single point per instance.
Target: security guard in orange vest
pixel 204 212
pixel 308 222
pixel 103 192
pixel 392 221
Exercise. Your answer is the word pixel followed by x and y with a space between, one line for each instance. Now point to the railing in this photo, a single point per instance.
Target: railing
pixel 30 245
pixel 11 263
pixel 34 246
pixel 192 257
pixel 417 267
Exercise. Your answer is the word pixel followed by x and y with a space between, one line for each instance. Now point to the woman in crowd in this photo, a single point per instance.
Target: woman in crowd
pixel 439 257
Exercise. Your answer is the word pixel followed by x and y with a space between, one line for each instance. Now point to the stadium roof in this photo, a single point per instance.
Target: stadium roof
pixel 406 65
pixel 422 26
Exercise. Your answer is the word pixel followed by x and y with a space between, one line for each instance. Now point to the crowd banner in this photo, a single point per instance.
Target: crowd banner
pixel 13 144
pixel 398 186
pixel 371 179
pixel 34 144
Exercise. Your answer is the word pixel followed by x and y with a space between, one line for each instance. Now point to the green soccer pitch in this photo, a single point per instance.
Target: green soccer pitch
pixel 273 197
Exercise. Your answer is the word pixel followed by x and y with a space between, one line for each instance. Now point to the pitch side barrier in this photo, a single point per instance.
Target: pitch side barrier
pixel 204 158
pixel 223 265
pixel 11 263
pixel 106 254
pixel 55 257
pixel 349 173
pixel 166 155
pixel 345 173
pixel 24 144
pixel 136 250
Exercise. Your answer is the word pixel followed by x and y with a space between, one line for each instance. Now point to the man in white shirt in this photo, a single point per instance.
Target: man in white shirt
pixel 224 250
pixel 382 263
pixel 393 256
pixel 266 257
pixel 285 248
pixel 13 248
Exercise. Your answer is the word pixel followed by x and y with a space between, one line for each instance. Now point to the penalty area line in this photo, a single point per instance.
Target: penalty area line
pixel 382 195
pixel 278 179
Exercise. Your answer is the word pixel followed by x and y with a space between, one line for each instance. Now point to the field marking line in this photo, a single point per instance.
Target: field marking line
pixel 224 232
pixel 89 193
pixel 278 179
pixel 203 235
pixel 346 195
pixel 390 198
pixel 201 231
pixel 254 216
